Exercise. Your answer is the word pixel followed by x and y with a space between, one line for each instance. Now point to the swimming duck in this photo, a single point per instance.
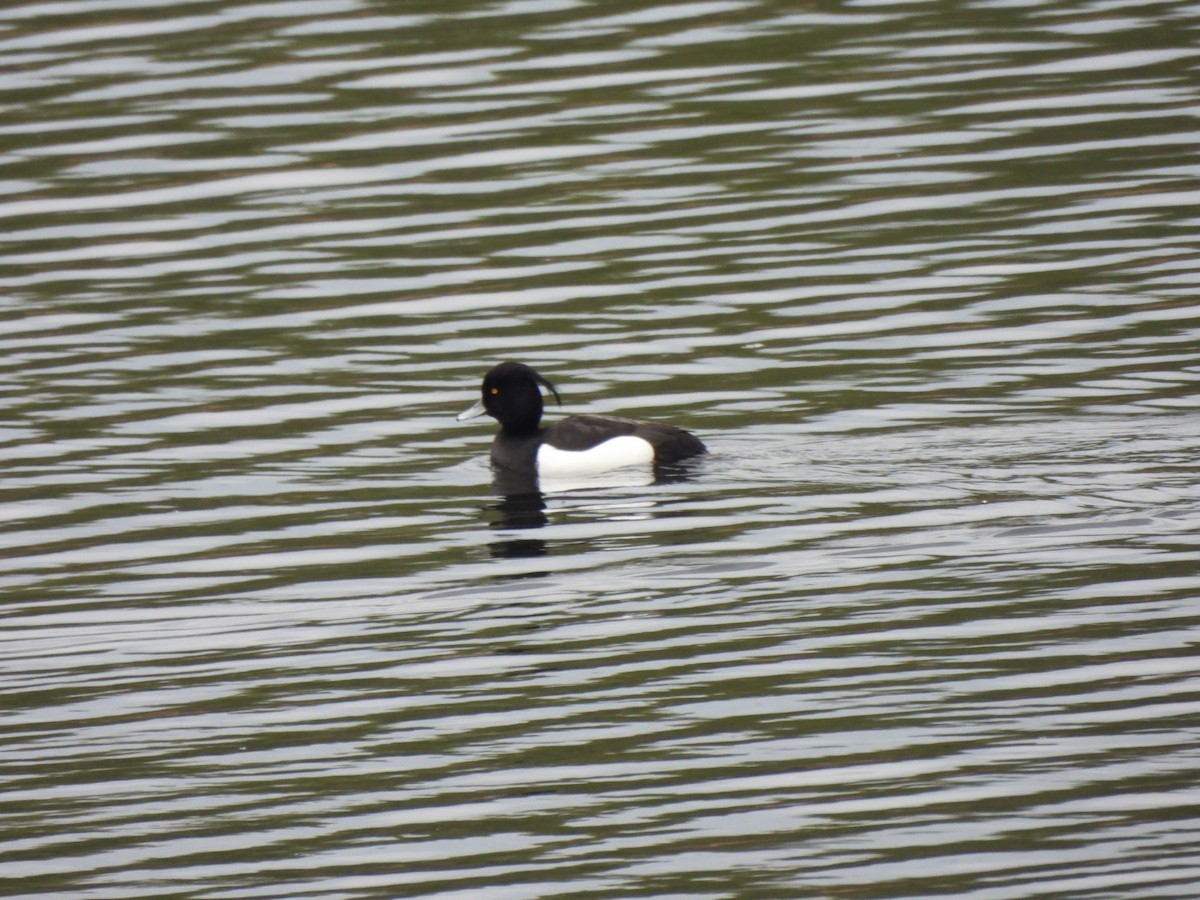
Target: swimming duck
pixel 574 446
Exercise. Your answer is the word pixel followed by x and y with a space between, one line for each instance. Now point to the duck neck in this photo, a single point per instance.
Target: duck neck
pixel 521 431
pixel 516 451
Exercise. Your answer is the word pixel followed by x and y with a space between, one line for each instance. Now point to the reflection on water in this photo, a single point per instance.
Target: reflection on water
pixel 519 513
pixel 923 278
pixel 620 494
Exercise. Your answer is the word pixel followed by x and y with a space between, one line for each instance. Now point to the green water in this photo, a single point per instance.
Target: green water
pixel 923 278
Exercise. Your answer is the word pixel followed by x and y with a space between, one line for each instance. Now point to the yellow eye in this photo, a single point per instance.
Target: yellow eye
pixel 494 391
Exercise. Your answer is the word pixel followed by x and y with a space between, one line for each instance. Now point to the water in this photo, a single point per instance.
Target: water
pixel 923 277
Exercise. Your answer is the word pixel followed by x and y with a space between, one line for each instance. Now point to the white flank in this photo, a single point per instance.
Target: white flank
pixel 615 453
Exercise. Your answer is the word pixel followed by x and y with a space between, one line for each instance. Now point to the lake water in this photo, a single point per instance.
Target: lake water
pixel 925 279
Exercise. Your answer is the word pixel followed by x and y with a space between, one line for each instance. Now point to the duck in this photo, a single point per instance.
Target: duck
pixel 579 445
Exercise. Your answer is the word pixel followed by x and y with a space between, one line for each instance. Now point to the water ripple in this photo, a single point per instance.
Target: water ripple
pixel 922 623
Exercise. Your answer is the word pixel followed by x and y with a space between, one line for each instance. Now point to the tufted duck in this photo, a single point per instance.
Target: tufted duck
pixel 576 445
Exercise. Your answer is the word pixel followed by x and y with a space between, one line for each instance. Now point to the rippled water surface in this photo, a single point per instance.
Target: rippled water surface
pixel 924 277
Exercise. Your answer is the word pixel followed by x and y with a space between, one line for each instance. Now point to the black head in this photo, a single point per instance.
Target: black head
pixel 512 397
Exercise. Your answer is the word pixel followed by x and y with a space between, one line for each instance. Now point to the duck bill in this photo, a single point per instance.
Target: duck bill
pixel 477 409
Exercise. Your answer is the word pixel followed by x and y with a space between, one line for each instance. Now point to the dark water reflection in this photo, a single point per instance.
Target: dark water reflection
pixel 525 504
pixel 519 512
pixel 924 279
